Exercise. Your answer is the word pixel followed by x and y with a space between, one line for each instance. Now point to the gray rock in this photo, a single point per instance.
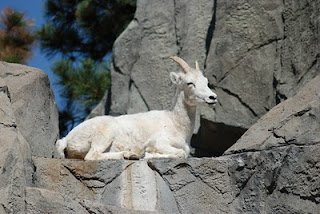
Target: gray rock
pixel 294 121
pixel 254 54
pixel 300 47
pixel 102 108
pixel 33 107
pixel 44 201
pixel 278 180
pixel 94 207
pixel 15 169
pixel 244 47
pixel 28 126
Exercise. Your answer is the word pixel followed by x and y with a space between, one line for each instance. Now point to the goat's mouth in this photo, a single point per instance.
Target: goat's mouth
pixel 213 103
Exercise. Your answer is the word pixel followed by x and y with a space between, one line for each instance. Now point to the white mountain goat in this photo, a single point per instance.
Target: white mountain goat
pixel 152 134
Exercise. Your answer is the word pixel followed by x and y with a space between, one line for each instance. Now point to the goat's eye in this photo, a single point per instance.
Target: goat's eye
pixel 191 83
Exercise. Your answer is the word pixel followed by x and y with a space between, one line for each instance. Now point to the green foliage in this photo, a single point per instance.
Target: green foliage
pixel 87 28
pixel 85 83
pixel 82 32
pixel 12 58
pixel 84 86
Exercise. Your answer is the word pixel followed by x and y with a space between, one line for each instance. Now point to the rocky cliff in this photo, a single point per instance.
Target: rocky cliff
pixel 261 58
pixel 273 168
pixel 255 54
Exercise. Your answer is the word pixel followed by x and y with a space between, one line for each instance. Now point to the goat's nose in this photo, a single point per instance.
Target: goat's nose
pixel 212 98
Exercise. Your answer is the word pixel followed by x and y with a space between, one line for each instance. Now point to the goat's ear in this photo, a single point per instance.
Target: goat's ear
pixel 175 78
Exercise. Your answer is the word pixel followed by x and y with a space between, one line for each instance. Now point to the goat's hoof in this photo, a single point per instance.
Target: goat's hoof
pixel 130 156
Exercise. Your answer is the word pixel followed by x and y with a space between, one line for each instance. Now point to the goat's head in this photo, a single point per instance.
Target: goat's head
pixel 193 83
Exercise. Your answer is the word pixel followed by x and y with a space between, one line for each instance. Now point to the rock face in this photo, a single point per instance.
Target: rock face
pixel 28 126
pixel 28 105
pixel 273 168
pixel 295 121
pixel 255 54
pixel 279 180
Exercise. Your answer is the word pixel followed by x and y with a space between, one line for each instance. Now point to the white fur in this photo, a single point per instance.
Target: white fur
pixel 152 134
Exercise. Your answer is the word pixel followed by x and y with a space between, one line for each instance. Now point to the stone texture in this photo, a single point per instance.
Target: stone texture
pixel 278 180
pixel 102 108
pixel 254 53
pixel 15 165
pixel 294 121
pixel 45 201
pixel 28 126
pixel 33 107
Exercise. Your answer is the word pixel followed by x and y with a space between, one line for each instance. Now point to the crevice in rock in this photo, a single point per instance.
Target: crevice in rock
pixel 34 170
pixel 272 185
pixel 116 68
pixel 273 148
pixel 302 112
pixel 143 99
pixel 5 90
pixel 86 208
pixel 253 48
pixel 81 178
pixel 313 198
pixel 14 75
pixel 278 95
pixel 107 105
pixel 286 120
pixel 8 125
pixel 6 209
pixel 211 30
pixel 154 168
pixel 276 172
pixel 244 184
pixel 293 69
pixel 240 100
pixel 282 137
pixel 313 64
pixel 268 42
pixel 178 43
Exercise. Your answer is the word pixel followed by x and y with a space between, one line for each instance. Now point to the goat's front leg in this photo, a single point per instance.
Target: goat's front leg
pixel 166 151
pixel 111 155
pixel 97 152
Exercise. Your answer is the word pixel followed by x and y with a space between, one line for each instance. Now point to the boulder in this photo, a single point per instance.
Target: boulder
pixel 254 54
pixel 29 105
pixel 28 126
pixel 280 176
pixel 279 180
pixel 295 121
pixel 273 168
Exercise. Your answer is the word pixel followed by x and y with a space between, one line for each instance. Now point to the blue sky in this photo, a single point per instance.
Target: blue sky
pixel 35 11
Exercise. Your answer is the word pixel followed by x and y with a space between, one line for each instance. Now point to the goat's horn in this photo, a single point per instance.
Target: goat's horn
pixel 197 66
pixel 182 63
